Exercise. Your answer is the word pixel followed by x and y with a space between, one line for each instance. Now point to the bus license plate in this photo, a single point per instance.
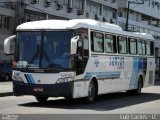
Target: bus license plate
pixel 38 89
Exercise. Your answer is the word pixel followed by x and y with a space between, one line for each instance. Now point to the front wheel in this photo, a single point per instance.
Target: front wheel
pixel 91 93
pixel 41 99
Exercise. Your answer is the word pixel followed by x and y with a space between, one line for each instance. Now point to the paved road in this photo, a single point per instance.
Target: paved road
pixel 148 102
pixel 6 87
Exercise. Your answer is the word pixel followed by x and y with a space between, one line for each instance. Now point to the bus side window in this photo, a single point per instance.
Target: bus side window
pixel 148 48
pixel 97 42
pixel 152 48
pixel 132 46
pixel 141 48
pixel 110 43
pixel 122 45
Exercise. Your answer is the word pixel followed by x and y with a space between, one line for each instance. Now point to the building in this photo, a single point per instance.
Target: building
pixel 14 12
pixel 7 26
pixel 142 17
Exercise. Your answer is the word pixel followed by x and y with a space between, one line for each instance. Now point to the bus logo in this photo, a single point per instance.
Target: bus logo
pixel 96 63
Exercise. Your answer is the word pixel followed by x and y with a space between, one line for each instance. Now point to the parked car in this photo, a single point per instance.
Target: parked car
pixel 5 71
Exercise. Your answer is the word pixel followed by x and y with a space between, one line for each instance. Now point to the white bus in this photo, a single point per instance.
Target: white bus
pixel 79 58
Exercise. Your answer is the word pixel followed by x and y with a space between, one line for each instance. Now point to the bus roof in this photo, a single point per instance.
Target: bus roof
pixel 79 23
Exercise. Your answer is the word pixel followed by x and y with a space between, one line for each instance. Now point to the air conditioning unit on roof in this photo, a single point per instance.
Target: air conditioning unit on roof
pixel 97 17
pixel 70 10
pixel 48 3
pixel 59 7
pixel 80 12
pixel 34 1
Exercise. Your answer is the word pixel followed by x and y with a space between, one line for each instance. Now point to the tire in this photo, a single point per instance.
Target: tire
pixel 91 93
pixel 138 90
pixel 139 87
pixel 41 99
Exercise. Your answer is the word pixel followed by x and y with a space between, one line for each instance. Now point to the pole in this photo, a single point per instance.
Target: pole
pixel 127 16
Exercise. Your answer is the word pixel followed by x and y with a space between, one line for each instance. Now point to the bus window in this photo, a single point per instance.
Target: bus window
pixel 152 48
pixel 132 46
pixel 141 48
pixel 148 48
pixel 110 43
pixel 97 42
pixel 122 45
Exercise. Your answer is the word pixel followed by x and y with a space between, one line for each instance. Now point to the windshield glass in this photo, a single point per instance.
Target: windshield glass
pixel 46 50
pixel 29 44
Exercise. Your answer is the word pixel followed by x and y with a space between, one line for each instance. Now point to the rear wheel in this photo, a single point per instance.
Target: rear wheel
pixel 41 99
pixel 139 88
pixel 91 93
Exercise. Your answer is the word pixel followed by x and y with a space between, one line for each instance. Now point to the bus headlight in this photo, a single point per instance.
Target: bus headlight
pixel 16 77
pixel 62 80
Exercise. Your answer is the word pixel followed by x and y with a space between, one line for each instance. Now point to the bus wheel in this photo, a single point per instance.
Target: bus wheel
pixel 138 90
pixel 91 92
pixel 41 99
pixel 139 87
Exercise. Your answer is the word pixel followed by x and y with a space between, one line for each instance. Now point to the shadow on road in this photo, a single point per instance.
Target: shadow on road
pixel 103 103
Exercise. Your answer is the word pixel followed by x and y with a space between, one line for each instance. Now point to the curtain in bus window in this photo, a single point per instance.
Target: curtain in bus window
pixel 108 42
pixel 141 47
pixel 122 45
pixel 98 42
pixel 148 48
pixel 133 46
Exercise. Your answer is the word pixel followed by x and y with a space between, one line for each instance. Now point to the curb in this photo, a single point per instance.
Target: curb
pixel 6 94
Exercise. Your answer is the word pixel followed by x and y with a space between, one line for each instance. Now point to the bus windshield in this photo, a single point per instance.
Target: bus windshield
pixel 49 49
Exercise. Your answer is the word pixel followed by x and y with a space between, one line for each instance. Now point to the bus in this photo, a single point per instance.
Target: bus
pixel 79 58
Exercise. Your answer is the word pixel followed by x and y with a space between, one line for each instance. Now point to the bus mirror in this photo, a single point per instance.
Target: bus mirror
pixel 74 41
pixel 9 45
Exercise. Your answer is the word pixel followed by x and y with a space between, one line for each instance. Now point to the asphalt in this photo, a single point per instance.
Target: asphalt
pixel 6 88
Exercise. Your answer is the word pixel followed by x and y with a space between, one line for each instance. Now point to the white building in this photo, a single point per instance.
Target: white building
pixel 142 18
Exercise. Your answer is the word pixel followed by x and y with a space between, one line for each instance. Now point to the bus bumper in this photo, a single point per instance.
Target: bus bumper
pixel 50 90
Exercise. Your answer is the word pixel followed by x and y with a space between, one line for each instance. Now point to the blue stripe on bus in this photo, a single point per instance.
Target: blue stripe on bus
pixel 137 69
pixel 31 78
pixel 28 80
pixel 104 75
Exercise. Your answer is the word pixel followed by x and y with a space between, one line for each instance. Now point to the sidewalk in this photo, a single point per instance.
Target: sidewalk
pixel 6 89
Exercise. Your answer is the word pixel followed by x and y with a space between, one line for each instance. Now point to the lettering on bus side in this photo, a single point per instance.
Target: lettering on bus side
pixel 117 61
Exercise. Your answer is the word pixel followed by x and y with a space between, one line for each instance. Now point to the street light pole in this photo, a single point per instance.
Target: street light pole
pixel 126 27
pixel 127 17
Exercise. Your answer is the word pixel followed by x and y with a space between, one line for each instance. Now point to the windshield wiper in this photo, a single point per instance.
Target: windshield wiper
pixel 37 52
pixel 33 57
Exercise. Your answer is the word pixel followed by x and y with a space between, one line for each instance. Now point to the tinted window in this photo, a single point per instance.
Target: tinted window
pixel 122 45
pixel 152 48
pixel 97 42
pixel 141 48
pixel 133 46
pixel 110 43
pixel 148 48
